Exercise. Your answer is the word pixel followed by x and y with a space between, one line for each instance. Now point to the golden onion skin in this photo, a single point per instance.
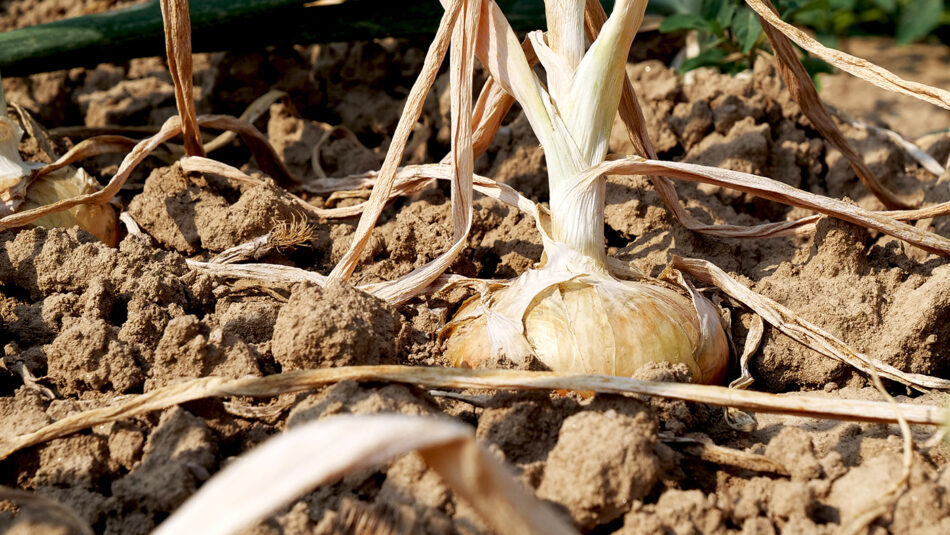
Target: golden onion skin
pixel 18 192
pixel 595 324
pixel 98 219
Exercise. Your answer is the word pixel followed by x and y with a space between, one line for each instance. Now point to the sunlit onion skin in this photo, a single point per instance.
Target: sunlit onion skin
pixel 19 191
pixel 591 323
pixel 98 219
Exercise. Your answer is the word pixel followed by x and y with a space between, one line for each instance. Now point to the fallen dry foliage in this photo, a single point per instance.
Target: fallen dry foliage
pixel 856 66
pixel 779 192
pixel 803 91
pixel 273 385
pixel 320 452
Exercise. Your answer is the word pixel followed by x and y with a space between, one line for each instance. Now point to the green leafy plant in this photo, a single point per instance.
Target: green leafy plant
pixel 907 20
pixel 729 34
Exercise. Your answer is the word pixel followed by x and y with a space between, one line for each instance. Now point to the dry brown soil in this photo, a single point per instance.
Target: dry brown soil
pixel 93 323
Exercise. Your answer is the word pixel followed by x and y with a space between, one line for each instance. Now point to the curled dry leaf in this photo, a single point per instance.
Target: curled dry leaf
pixel 803 92
pixel 387 173
pixel 252 113
pixel 320 452
pixel 170 128
pixel 35 130
pixel 462 19
pixel 23 189
pixel 702 446
pixel 88 148
pixel 779 192
pixel 264 154
pixel 260 147
pixel 800 330
pixel 261 272
pixel 925 160
pixel 936 210
pixel 444 378
pixel 856 66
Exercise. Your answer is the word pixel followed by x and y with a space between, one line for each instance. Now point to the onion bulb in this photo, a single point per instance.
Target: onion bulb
pixel 20 191
pixel 588 323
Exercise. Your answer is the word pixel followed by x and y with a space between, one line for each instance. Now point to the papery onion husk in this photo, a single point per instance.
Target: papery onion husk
pixel 588 323
pixel 18 192
pixel 98 219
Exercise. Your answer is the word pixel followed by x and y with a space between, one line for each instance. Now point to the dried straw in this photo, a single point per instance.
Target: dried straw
pixel 801 330
pixel 273 385
pixel 177 22
pixel 803 91
pixel 853 65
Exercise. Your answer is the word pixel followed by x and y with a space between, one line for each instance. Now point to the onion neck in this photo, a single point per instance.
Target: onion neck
pixel 578 220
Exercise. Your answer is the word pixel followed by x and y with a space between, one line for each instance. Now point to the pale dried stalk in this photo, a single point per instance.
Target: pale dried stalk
pixel 490 488
pixel 800 330
pixel 130 224
pixel 35 130
pixel 198 164
pixel 414 178
pixel 462 161
pixel 925 160
pixel 387 173
pixel 856 66
pixel 177 23
pixel 936 210
pixel 803 92
pixel 409 180
pixel 779 192
pixel 632 116
pixel 735 418
pixel 263 152
pixel 273 385
pixel 273 273
pixel 322 451
pixel 492 106
pixel 752 341
pixel 258 144
pixel 254 249
pixel 252 113
pixel 88 148
pixel 406 183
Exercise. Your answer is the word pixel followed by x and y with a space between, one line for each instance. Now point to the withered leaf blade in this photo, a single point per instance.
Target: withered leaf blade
pixel 319 452
pixel 803 92
pixel 177 23
pixel 442 378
